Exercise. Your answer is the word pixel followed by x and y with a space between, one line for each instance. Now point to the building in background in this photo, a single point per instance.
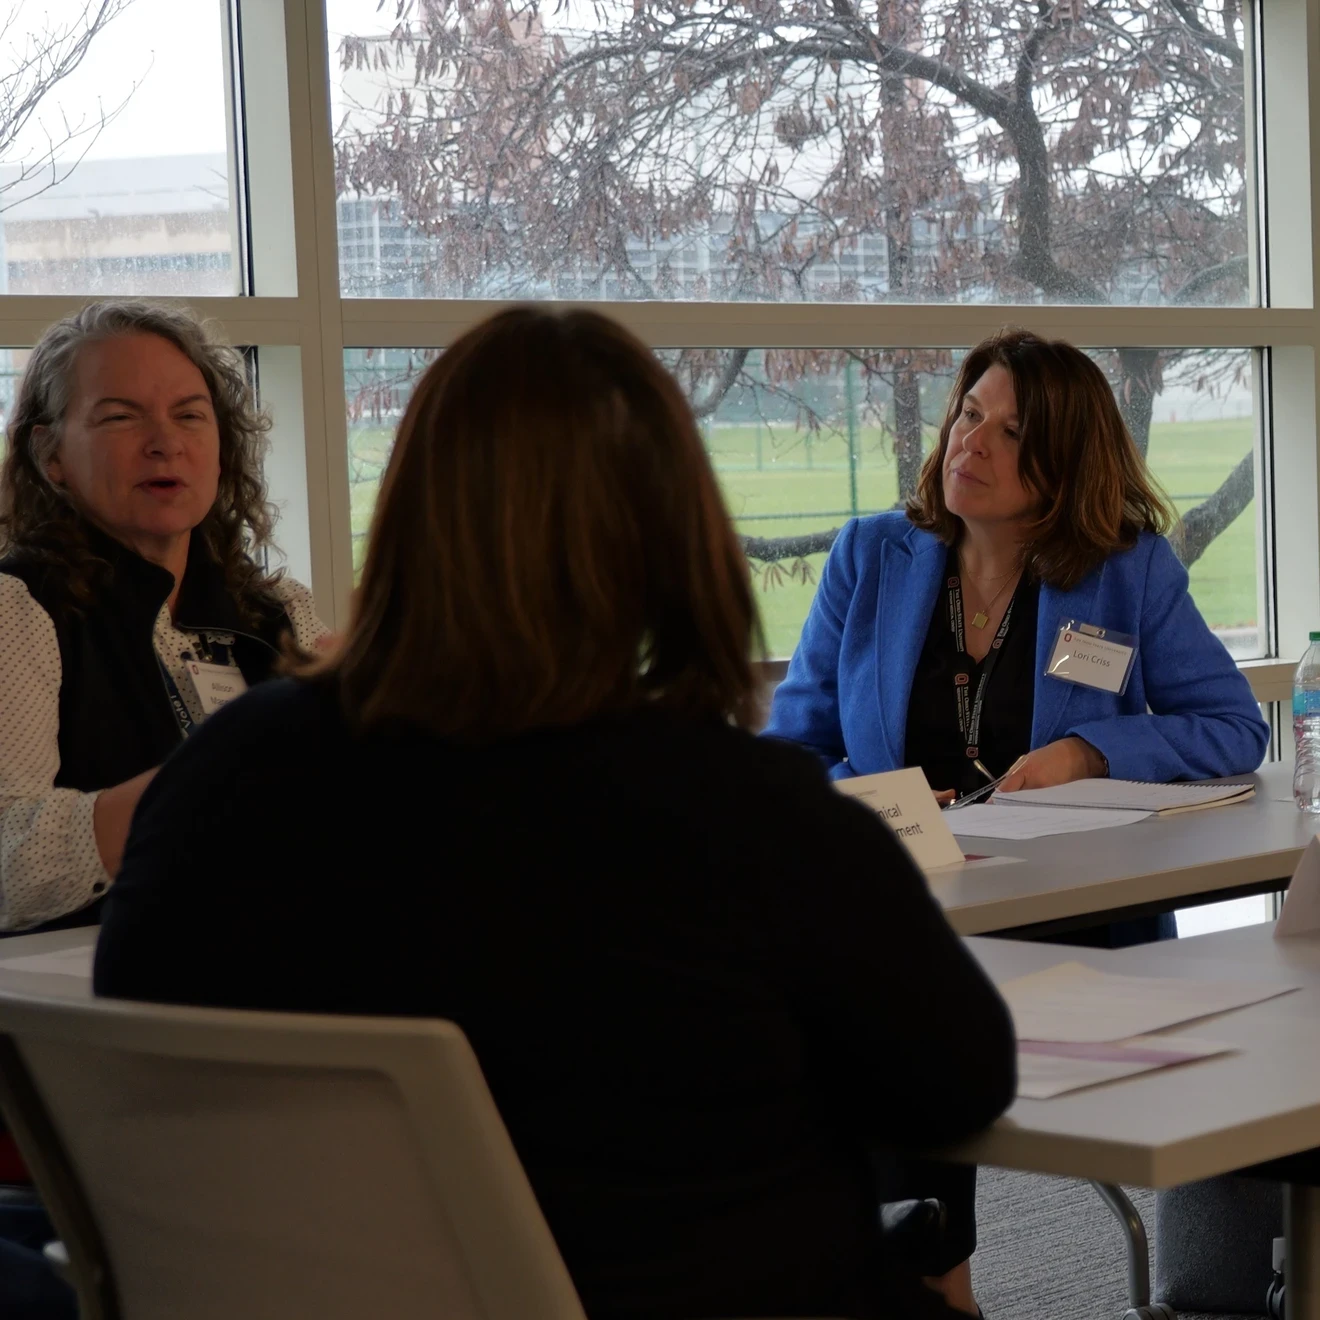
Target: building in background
pixel 149 225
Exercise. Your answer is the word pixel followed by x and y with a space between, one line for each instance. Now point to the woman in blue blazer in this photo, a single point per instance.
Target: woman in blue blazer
pixel 1036 499
pixel 936 633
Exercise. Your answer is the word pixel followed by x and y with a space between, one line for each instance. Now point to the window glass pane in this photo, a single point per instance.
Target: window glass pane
pixel 802 440
pixel 923 150
pixel 114 166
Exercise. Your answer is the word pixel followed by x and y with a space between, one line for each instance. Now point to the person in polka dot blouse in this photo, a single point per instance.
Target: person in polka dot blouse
pixel 133 528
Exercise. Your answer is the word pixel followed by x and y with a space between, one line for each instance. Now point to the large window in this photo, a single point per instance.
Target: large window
pixel 803 440
pixel 116 174
pixel 977 153
pixel 808 210
pixel 931 150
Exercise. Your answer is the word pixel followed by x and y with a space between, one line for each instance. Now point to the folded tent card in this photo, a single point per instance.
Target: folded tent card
pixel 1301 906
pixel 903 799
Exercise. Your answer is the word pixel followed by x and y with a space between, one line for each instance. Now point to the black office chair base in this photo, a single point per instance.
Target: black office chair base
pixel 1275 1299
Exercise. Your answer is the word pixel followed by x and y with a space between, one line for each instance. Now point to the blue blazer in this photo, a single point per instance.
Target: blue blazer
pixel 1187 712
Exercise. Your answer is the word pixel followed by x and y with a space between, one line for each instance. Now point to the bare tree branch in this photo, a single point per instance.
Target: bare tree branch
pixel 1201 525
pixel 31 67
pixel 727 380
pixel 771 549
pixel 1225 46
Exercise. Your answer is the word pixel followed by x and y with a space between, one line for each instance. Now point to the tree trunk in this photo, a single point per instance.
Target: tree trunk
pixel 771 549
pixel 896 22
pixel 1201 525
pixel 907 426
pixel 1138 374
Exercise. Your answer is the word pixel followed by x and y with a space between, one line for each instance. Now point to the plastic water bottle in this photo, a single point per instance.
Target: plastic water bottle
pixel 1306 728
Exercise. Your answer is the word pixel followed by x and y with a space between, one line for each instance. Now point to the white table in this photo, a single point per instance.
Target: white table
pixel 1181 1124
pixel 1277 780
pixel 1259 1103
pixel 46 983
pixel 1063 880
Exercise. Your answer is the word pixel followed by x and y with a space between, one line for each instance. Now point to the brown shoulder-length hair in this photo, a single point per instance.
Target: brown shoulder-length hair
pixel 549 544
pixel 37 517
pixel 1076 453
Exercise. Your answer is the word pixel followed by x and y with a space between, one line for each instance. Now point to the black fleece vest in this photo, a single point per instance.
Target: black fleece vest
pixel 115 714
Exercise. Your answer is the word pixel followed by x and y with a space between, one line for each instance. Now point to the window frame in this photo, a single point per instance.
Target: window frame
pixel 297 320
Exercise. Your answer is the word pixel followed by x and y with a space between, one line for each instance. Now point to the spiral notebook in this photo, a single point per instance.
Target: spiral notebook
pixel 1131 795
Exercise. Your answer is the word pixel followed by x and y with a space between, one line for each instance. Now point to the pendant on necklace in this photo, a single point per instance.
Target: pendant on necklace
pixel 980 619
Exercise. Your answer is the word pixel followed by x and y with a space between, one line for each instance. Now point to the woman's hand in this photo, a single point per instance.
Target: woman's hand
pixel 1056 763
pixel 943 795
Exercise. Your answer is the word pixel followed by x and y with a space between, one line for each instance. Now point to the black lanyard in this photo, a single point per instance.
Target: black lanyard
pixel 969 710
pixel 186 722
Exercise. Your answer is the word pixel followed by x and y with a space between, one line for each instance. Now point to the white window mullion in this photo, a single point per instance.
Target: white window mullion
pixel 407 323
pixel 301 229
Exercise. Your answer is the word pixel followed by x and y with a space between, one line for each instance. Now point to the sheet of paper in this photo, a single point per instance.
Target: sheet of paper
pixel 62 962
pixel 1301 906
pixel 992 821
pixel 1050 1068
pixel 1125 794
pixel 1073 1002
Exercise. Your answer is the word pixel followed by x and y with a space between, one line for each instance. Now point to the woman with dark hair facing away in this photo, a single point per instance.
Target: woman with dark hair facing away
pixel 707 991
pixel 133 524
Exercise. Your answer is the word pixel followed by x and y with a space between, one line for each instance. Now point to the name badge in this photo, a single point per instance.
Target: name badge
pixel 1094 657
pixel 904 800
pixel 213 686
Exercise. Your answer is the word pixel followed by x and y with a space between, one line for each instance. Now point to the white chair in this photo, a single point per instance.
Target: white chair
pixel 205 1164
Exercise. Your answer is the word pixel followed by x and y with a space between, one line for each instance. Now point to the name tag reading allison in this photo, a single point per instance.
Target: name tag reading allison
pixel 213 686
pixel 1094 657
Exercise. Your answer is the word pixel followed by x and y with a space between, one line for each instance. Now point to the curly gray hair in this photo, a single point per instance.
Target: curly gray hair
pixel 36 517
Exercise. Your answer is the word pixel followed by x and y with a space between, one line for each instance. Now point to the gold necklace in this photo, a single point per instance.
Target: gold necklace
pixel 982 616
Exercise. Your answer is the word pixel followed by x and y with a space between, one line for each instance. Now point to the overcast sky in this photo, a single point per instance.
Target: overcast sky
pixel 172 49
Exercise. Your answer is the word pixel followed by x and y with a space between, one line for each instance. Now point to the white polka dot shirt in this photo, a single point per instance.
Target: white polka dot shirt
pixel 49 863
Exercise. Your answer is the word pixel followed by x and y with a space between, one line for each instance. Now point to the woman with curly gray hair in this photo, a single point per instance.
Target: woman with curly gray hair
pixel 133 597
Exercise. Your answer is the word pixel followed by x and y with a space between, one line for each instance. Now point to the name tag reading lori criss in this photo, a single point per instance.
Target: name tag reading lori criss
pixel 213 685
pixel 1094 657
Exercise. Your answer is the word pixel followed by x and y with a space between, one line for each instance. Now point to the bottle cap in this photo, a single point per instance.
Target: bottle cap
pixel 1315 636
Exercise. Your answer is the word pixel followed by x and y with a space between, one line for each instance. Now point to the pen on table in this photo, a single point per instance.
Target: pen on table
pixel 977 794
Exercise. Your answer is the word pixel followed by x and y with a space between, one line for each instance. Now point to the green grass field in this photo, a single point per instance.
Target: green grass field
pixel 777 482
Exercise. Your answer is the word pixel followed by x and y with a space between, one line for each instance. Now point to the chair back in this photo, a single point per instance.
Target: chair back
pixel 204 1164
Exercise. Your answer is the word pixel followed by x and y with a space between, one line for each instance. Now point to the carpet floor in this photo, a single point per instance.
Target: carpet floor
pixel 1049 1249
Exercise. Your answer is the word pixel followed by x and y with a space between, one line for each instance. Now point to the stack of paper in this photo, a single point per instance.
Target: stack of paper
pixel 1047 1068
pixel 1078 1027
pixel 992 821
pixel 1129 795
